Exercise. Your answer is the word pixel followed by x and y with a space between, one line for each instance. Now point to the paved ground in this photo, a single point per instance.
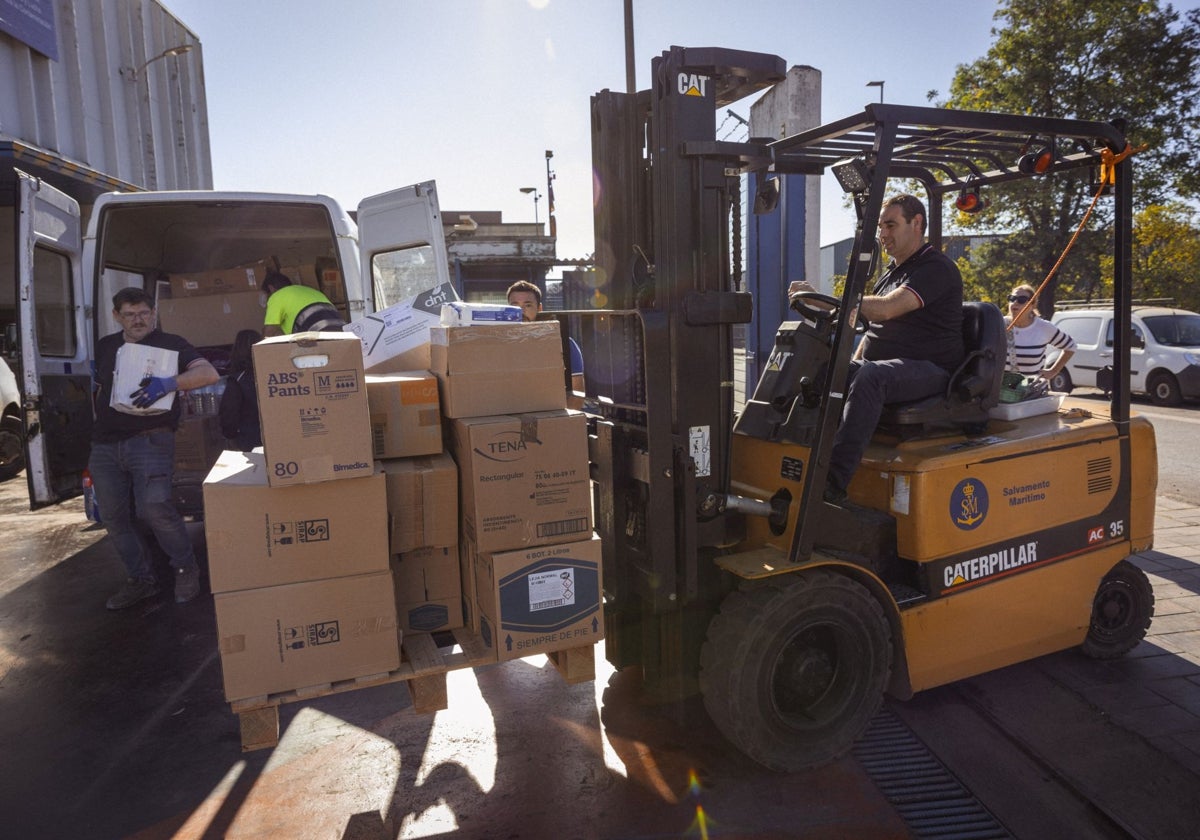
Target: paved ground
pixel 114 725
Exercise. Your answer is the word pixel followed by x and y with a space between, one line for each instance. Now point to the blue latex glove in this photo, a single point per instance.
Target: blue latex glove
pixel 153 389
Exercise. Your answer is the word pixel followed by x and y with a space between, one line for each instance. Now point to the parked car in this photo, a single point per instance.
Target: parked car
pixel 12 452
pixel 1164 359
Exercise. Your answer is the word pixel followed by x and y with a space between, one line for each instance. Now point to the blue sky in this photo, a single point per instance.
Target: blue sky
pixel 356 97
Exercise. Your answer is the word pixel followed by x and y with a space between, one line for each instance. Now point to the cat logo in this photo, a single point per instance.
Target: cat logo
pixel 691 84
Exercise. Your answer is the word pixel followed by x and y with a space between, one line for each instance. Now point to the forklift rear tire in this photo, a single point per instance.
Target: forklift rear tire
pixel 793 671
pixel 1121 612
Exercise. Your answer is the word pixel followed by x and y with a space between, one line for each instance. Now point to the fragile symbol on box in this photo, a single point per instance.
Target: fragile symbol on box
pixel 283 533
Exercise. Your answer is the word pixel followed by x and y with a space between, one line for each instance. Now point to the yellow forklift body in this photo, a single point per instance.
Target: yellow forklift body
pixel 1009 533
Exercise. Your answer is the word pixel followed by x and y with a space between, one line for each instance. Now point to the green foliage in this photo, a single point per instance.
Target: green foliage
pixel 1136 61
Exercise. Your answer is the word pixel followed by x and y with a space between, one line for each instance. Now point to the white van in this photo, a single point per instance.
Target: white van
pixel 1164 358
pixel 67 280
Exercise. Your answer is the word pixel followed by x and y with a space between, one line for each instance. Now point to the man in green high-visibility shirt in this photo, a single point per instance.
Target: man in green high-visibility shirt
pixel 293 308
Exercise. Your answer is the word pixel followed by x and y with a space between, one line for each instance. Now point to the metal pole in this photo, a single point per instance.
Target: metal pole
pixel 630 74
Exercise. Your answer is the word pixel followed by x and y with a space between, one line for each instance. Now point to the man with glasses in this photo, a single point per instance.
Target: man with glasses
pixel 132 463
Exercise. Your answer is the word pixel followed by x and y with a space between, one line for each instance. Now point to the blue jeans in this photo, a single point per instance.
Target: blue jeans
pixel 140 469
pixel 872 385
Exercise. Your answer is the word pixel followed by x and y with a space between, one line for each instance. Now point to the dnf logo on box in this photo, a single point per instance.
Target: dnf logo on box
pixel 336 382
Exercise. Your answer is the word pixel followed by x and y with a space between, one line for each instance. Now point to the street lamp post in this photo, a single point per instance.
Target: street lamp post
pixel 536 196
pixel 132 73
pixel 879 85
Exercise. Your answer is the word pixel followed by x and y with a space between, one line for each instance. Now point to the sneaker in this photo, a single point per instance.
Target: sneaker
pixel 187 584
pixel 133 591
pixel 833 494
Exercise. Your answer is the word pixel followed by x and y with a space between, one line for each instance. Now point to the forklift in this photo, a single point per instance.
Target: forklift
pixel 969 541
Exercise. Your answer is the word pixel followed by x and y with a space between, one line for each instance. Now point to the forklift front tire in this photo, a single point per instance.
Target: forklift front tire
pixel 1121 612
pixel 793 671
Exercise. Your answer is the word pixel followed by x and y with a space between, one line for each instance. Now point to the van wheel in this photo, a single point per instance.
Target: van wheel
pixel 1163 389
pixel 1062 382
pixel 793 671
pixel 1121 612
pixel 12 453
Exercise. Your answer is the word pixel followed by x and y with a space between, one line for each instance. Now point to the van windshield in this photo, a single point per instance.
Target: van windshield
pixel 1179 330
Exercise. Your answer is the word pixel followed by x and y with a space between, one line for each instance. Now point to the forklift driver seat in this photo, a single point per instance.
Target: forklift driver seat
pixel 974 387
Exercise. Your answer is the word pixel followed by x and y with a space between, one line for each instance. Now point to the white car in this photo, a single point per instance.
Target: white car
pixel 1164 356
pixel 12 456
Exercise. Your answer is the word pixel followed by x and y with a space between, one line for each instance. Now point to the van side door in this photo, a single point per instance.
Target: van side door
pixel 402 247
pixel 55 342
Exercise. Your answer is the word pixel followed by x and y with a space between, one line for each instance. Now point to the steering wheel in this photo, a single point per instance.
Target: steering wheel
pixel 800 303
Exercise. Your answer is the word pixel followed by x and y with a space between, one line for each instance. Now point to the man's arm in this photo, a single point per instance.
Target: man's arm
pixel 198 374
pixel 271 329
pixel 895 303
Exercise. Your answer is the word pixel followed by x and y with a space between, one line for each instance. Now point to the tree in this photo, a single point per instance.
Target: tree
pixel 1166 255
pixel 1087 59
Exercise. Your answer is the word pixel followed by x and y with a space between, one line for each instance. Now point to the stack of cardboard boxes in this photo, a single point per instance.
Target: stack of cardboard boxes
pixel 353 527
pixel 530 564
pixel 297 536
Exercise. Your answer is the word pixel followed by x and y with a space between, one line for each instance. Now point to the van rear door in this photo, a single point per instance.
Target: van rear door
pixel 54 340
pixel 401 243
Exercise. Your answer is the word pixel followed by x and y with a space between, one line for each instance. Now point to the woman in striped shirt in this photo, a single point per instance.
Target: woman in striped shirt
pixel 1030 337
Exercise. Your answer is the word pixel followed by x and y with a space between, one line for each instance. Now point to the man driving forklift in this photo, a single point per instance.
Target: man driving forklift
pixel 914 341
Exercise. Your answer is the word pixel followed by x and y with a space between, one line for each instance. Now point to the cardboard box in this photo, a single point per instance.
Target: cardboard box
pixel 524 479
pixel 134 363
pixel 241 279
pixel 460 313
pixel 467 558
pixel 263 536
pixel 537 600
pixel 312 405
pixel 498 369
pixel 211 320
pixel 405 419
pixel 397 338
pixel 422 501
pixel 280 638
pixel 198 442
pixel 428 589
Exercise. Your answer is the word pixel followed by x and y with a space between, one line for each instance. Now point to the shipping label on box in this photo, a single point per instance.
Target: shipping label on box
pixel 134 363
pixel 312 405
pixel 428 589
pixel 524 479
pixel 263 536
pixel 538 600
pixel 422 501
pixel 399 334
pixel 243 278
pixel 405 418
pixel 459 313
pixel 281 638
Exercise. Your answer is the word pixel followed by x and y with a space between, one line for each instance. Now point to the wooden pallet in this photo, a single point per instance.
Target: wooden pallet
pixel 423 665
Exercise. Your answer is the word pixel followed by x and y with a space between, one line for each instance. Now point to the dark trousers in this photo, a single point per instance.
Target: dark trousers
pixel 873 385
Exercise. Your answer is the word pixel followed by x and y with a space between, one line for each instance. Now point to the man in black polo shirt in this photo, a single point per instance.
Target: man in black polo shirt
pixel 914 342
pixel 133 455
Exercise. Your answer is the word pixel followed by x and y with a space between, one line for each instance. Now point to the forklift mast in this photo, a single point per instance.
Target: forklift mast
pixel 659 354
